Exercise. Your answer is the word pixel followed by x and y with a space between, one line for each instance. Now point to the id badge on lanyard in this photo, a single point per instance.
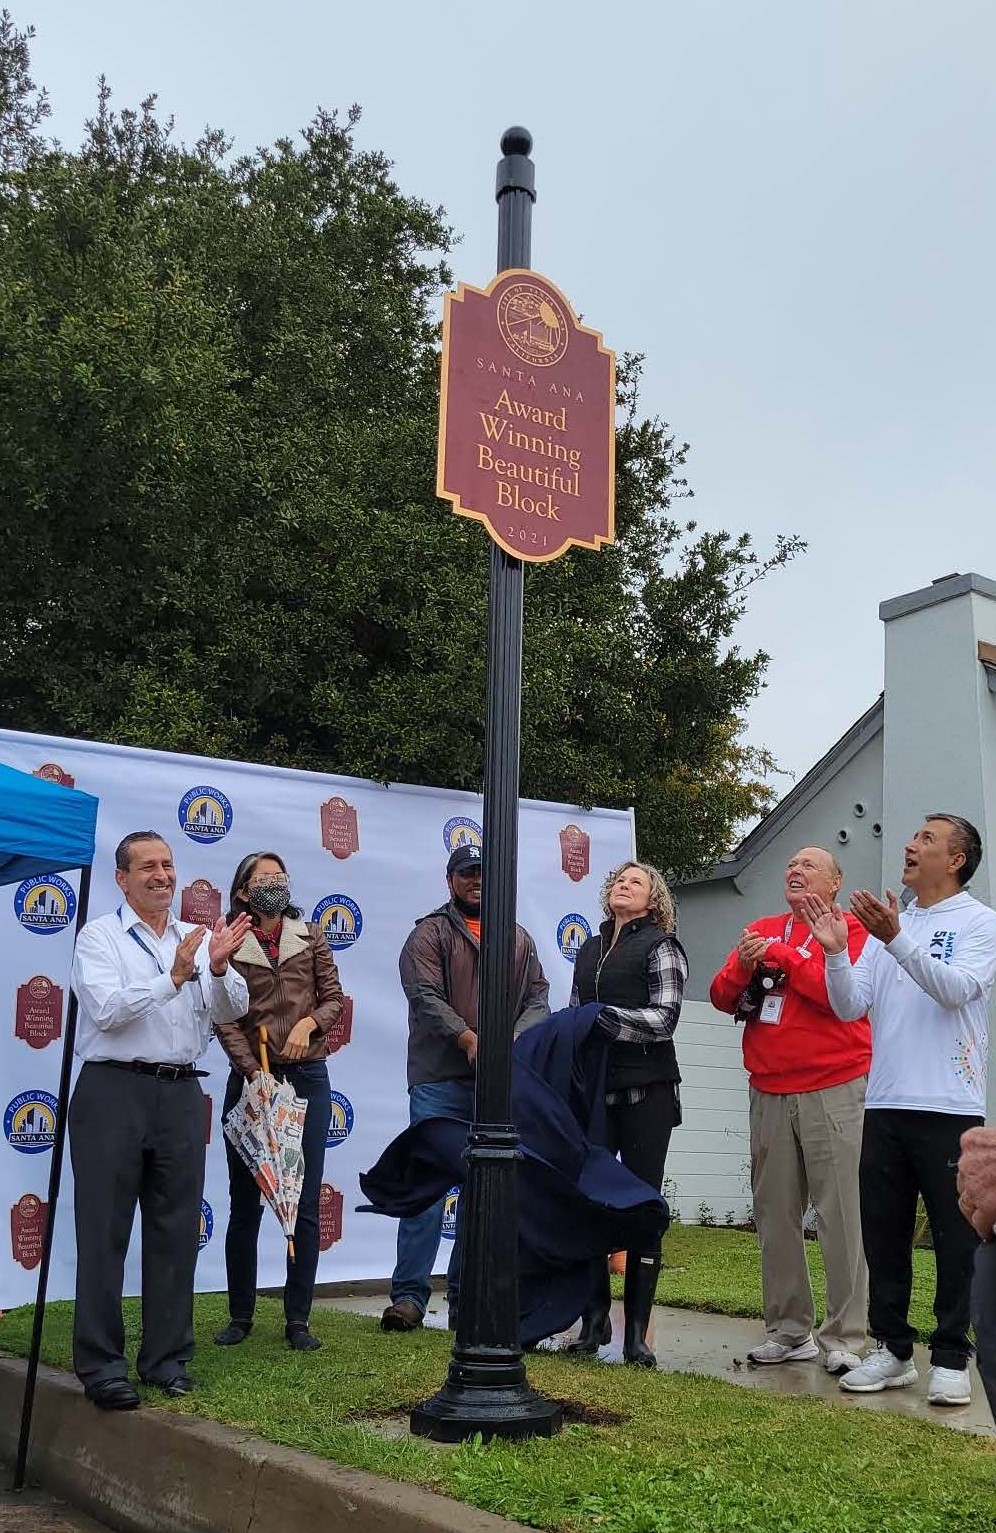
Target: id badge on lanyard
pixel 771 1007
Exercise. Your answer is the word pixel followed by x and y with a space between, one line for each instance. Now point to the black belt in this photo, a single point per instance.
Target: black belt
pixel 161 1072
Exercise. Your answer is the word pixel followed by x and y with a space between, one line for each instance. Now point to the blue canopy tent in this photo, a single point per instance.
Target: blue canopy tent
pixel 46 828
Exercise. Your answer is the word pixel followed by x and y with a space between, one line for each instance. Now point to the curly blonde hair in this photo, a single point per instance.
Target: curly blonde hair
pixel 662 911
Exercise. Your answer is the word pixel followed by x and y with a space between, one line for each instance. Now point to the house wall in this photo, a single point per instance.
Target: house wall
pixel 709 1159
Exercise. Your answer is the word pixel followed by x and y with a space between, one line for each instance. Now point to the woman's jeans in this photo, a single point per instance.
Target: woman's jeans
pixel 418 1237
pixel 310 1081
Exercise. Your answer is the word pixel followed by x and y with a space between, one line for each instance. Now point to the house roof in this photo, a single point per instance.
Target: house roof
pixel 836 759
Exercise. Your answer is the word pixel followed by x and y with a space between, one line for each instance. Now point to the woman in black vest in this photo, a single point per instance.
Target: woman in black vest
pixel 636 968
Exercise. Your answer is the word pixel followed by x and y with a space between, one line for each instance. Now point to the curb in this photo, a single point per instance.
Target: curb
pixel 152 1471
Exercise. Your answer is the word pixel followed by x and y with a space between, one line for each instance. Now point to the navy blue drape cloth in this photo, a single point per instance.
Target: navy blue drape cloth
pixel 576 1201
pixel 44 827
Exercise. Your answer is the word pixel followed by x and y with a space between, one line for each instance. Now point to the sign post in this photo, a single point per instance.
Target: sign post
pixel 526 445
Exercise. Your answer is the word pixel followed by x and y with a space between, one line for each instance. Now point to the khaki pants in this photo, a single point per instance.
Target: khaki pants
pixel 806 1148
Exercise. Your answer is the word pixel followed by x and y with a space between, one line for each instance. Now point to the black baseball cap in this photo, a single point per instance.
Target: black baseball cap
pixel 463 859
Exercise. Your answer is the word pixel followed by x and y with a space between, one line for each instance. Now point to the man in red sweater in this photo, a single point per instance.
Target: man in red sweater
pixel 808 1072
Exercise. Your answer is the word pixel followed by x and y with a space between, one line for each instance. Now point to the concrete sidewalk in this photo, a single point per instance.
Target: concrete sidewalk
pixel 688 1341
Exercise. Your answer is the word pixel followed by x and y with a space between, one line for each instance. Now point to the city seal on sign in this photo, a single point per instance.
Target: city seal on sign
pixel 461 831
pixel 200 903
pixel 450 1213
pixel 205 815
pixel 29 1122
pixel 533 324
pixel 340 920
pixel 329 1216
pixel 341 1122
pixel 45 904
pixel 340 829
pixel 51 771
pixel 572 933
pixel 38 1012
pixel 205 1227
pixel 28 1218
pixel 575 852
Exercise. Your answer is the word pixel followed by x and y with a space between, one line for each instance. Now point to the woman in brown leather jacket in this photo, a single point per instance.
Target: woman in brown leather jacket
pixel 294 992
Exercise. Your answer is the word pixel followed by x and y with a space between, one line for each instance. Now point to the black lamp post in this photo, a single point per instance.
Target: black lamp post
pixel 486 1389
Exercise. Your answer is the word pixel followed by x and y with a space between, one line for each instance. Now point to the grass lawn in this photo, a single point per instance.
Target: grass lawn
pixel 676 1454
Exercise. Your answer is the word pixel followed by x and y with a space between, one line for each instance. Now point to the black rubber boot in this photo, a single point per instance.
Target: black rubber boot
pixel 596 1327
pixel 638 1301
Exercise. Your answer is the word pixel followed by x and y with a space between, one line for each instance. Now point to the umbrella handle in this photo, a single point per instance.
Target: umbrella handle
pixel 263 1056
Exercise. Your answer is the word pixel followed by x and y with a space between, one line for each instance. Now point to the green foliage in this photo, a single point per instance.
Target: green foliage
pixel 677 1452
pixel 218 398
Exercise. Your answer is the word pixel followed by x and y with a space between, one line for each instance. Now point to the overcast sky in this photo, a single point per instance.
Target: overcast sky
pixel 788 205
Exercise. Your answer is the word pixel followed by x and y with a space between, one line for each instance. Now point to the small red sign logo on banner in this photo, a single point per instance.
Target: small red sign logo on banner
pixel 575 852
pixel 28 1219
pixel 52 772
pixel 527 418
pixel 38 1014
pixel 340 830
pixel 200 903
pixel 341 1031
pixel 329 1216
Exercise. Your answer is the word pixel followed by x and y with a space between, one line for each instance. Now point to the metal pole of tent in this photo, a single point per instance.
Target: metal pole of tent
pixel 55 1176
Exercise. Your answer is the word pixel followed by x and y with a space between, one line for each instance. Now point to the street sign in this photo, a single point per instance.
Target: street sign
pixel 527 418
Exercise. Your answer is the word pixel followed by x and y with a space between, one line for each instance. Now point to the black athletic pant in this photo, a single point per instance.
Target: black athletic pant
pixel 640 1132
pixel 903 1154
pixel 135 1140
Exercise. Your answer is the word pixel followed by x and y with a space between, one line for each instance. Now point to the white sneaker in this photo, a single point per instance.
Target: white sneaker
pixel 780 1352
pixel 949 1386
pixel 839 1361
pixel 881 1369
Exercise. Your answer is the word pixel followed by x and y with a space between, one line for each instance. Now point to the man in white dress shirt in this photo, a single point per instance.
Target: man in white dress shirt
pixel 149 997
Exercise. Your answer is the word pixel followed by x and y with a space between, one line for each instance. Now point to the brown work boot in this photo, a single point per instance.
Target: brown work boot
pixel 402 1316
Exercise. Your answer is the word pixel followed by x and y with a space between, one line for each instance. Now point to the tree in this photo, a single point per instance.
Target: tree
pixel 218 396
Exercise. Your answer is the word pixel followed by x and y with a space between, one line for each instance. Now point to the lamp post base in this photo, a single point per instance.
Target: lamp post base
pixel 460 1411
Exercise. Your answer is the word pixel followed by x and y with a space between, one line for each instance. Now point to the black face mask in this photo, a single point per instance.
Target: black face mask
pixel 270 898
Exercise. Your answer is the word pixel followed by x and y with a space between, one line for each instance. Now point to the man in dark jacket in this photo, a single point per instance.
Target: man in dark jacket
pixel 439 970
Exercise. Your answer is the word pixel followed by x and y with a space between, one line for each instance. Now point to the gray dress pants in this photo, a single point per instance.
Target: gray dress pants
pixel 135 1141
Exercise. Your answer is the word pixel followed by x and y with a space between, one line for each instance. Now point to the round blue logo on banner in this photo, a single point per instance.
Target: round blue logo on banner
pixel 462 832
pixel 45 904
pixel 450 1213
pixel 29 1122
pixel 340 919
pixel 341 1122
pixel 206 1229
pixel 205 815
pixel 571 933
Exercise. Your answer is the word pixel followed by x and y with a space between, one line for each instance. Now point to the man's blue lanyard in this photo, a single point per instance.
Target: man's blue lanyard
pixel 133 934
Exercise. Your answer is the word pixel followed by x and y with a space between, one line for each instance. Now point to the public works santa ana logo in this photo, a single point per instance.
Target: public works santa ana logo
pixel 44 904
pixel 29 1122
pixel 572 933
pixel 205 815
pixel 340 919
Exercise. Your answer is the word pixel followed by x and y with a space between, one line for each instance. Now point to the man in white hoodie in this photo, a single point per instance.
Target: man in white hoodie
pixel 925 975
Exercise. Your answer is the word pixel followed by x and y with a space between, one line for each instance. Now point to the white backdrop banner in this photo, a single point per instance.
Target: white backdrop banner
pixel 365 861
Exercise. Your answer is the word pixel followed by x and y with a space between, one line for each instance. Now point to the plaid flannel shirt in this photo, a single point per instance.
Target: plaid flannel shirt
pixel 655 1022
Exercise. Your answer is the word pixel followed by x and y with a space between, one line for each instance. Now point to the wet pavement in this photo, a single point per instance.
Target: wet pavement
pixel 688 1341
pixel 30 1511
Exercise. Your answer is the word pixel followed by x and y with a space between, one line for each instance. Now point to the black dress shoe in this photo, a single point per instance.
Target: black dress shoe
pixel 301 1339
pixel 113 1395
pixel 176 1387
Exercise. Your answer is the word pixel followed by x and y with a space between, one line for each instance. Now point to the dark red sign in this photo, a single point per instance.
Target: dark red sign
pixel 340 830
pixel 51 771
pixel 28 1218
pixel 329 1216
pixel 341 1030
pixel 38 1014
pixel 200 903
pixel 527 418
pixel 575 852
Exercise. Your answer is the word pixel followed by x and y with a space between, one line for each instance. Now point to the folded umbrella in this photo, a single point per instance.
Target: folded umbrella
pixel 266 1127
